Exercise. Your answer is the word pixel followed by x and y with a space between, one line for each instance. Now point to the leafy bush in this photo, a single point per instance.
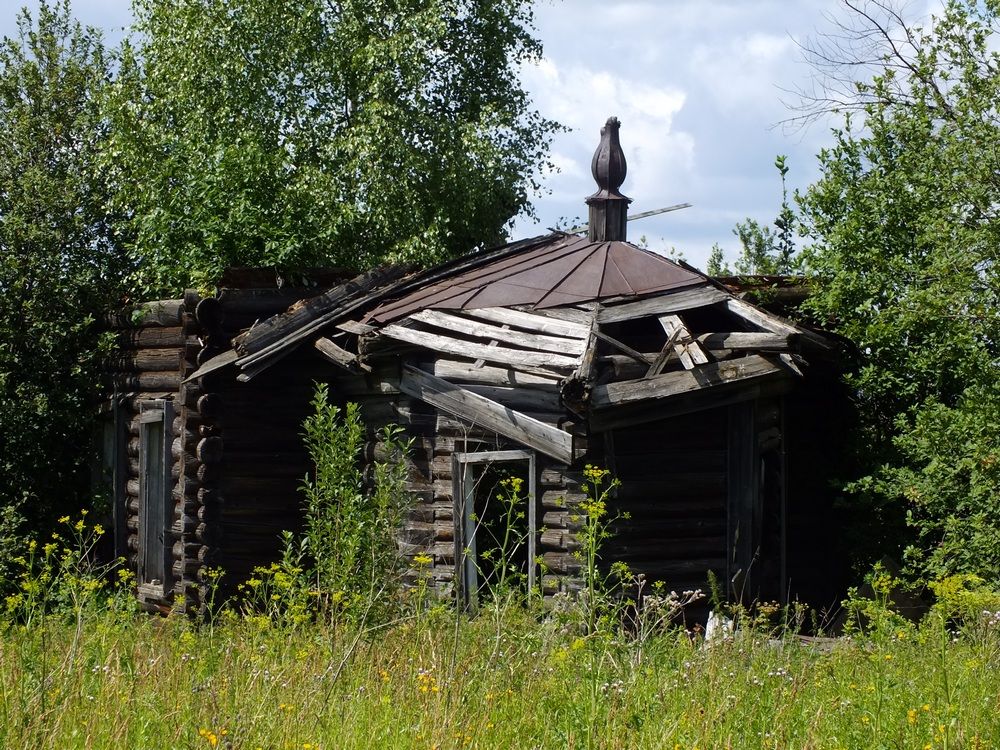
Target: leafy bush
pixel 346 564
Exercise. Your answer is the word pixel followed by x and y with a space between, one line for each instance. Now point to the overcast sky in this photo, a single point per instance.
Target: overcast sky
pixel 698 85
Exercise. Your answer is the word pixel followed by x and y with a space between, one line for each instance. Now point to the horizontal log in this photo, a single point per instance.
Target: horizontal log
pixel 559 539
pixel 166 313
pixel 152 338
pixel 769 341
pixel 148 381
pixel 682 382
pixel 210 450
pixel 147 360
pixel 523 398
pixel 562 562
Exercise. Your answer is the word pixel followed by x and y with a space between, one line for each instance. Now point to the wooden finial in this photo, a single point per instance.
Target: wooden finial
pixel 608 207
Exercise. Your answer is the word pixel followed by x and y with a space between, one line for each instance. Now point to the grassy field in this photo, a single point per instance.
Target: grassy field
pixel 502 680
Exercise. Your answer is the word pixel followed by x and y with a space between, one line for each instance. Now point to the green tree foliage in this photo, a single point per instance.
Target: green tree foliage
pixel 763 250
pixel 306 133
pixel 59 262
pixel 904 233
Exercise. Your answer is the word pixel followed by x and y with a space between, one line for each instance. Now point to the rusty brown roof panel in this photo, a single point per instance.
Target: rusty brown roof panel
pixel 565 270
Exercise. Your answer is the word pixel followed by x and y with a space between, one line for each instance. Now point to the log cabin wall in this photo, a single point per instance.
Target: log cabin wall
pixel 157 347
pixel 250 455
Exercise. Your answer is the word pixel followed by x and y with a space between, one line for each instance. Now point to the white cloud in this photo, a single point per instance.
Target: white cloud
pixel 583 98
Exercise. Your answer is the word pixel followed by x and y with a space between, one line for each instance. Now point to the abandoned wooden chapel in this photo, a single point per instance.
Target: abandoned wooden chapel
pixel 537 358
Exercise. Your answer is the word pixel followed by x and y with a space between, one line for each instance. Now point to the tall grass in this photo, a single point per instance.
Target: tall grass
pixel 439 679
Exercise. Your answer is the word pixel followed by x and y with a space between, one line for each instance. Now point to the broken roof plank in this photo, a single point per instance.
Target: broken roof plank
pixel 487 413
pixel 758 317
pixel 684 381
pixel 740 340
pixel 770 322
pixel 684 299
pixel 279 326
pixel 539 342
pixel 530 321
pixel 338 355
pixel 472 350
pixel 509 376
pixel 215 363
pixel 688 351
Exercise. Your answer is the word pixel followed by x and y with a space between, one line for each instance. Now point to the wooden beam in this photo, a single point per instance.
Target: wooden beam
pixel 688 350
pixel 625 348
pixel 643 412
pixel 666 302
pixel 738 340
pixel 355 327
pixel 682 382
pixel 215 363
pixel 472 350
pixel 758 317
pixel 486 413
pixel 539 342
pixel 530 321
pixel 466 372
pixel 664 356
pixel 339 356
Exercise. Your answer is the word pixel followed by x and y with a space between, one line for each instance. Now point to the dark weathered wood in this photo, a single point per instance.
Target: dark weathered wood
pixel 668 302
pixel 282 332
pixel 169 313
pixel 338 355
pixel 210 313
pixel 742 497
pixel 502 354
pixel 147 360
pixel 483 411
pixel 153 337
pixel 641 412
pixel 664 355
pixel 524 398
pixel 677 383
pixel 216 363
pixel 210 450
pixel 628 350
pixel 148 381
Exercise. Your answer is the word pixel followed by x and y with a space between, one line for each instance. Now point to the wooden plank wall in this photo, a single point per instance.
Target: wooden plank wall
pixel 674 488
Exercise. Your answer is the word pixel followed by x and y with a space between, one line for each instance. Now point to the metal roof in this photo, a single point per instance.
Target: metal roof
pixel 565 270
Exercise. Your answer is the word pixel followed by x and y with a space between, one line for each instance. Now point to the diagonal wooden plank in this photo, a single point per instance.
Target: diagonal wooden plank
pixel 488 332
pixel 661 304
pixel 685 381
pixel 530 321
pixel 688 350
pixel 485 412
pixel 503 354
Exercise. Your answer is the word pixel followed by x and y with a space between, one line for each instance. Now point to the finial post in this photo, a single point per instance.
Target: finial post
pixel 608 208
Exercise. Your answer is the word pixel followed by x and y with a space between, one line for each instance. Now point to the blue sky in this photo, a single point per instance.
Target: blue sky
pixel 699 85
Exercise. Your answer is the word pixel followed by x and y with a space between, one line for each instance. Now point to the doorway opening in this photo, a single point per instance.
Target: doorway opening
pixel 496 523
